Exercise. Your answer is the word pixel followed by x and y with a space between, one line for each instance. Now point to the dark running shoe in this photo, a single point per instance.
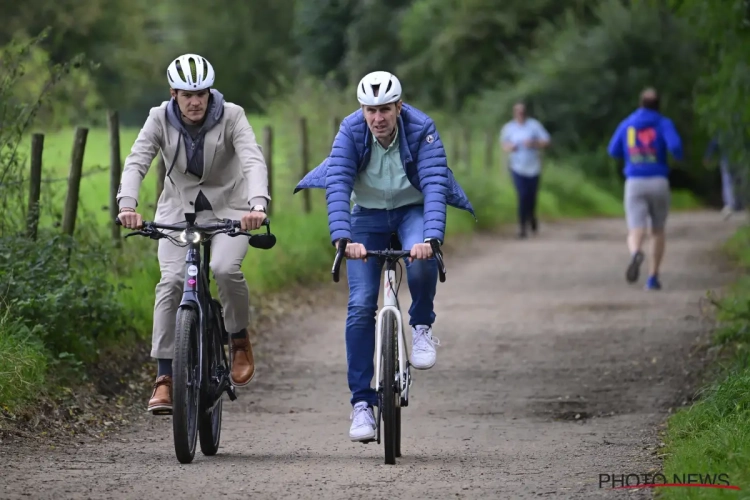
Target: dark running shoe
pixel 634 267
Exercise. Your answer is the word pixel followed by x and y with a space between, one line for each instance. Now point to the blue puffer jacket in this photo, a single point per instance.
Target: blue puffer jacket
pixel 422 155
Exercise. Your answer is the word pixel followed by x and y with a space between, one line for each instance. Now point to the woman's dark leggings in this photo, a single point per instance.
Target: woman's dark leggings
pixel 526 188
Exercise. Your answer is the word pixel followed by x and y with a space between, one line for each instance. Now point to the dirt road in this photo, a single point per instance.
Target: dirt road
pixel 552 371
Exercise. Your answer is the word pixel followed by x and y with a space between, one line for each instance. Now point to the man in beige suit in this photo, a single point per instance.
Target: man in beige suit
pixel 215 169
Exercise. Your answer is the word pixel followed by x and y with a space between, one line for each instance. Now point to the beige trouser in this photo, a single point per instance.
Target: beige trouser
pixel 227 254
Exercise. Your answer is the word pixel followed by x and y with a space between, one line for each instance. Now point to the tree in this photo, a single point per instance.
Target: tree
pixel 319 33
pixel 457 48
pixel 723 30
pixel 581 80
pixel 249 44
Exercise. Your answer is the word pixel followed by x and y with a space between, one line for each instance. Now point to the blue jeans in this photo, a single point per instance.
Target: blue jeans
pixel 526 189
pixel 373 228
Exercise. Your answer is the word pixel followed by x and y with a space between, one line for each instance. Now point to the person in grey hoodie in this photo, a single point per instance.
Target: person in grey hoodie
pixel 215 170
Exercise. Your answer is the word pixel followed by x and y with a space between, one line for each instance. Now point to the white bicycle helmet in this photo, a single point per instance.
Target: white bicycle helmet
pixel 378 88
pixel 181 76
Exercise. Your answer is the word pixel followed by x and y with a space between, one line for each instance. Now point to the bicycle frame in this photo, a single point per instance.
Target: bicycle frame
pixel 196 295
pixel 390 303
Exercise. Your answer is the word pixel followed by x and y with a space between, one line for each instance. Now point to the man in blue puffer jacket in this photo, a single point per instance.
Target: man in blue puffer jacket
pixel 388 159
pixel 643 141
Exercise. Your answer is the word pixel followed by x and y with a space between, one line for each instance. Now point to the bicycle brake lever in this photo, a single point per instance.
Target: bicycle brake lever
pixel 438 253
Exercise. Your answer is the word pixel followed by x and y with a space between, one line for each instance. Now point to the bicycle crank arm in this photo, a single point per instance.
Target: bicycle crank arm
pixel 405 392
pixel 225 386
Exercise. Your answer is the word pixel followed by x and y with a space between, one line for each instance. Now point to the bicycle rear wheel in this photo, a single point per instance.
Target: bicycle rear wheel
pixel 391 411
pixel 209 423
pixel 186 392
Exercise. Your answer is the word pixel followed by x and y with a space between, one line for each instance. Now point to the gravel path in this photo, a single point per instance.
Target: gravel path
pixel 552 370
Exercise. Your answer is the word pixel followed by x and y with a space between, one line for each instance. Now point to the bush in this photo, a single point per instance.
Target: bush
pixel 57 289
pixel 22 362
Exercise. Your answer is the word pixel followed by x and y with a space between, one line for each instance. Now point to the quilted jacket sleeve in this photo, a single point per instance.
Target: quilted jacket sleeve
pixel 340 175
pixel 434 180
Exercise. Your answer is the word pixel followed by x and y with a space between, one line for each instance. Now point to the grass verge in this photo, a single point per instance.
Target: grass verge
pixel 712 436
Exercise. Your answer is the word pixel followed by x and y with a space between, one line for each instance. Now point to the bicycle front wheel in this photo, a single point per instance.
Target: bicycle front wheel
pixel 185 390
pixel 391 411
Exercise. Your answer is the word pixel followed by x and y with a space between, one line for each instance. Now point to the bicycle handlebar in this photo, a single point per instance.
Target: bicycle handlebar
pixel 388 255
pixel 151 229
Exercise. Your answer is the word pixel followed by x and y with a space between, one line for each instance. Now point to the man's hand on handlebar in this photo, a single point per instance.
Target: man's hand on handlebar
pixel 130 219
pixel 252 220
pixel 420 251
pixel 354 250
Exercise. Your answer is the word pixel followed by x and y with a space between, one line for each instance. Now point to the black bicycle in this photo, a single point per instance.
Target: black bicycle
pixel 200 365
pixel 392 367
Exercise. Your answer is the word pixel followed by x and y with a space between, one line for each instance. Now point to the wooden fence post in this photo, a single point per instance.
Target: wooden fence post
pixel 335 124
pixel 115 170
pixel 268 153
pixel 74 181
pixel 305 159
pixel 35 184
pixel 489 150
pixel 161 173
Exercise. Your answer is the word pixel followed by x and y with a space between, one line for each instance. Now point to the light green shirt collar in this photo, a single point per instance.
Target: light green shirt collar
pixel 395 138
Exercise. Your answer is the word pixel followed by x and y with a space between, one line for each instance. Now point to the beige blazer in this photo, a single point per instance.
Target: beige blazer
pixel 235 176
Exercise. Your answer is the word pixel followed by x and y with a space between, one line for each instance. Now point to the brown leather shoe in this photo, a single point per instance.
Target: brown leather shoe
pixel 161 399
pixel 243 364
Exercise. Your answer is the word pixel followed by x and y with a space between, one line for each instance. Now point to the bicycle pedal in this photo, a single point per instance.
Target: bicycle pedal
pixel 232 393
pixel 160 413
pixel 368 441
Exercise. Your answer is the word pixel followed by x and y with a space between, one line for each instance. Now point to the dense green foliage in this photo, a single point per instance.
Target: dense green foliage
pixel 579 64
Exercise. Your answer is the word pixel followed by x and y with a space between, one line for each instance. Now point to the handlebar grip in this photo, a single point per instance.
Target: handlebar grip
pixel 340 252
pixel 438 253
pixel 118 221
pixel 237 224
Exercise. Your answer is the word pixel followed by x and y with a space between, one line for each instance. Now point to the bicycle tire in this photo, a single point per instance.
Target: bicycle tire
pixel 390 409
pixel 209 424
pixel 186 393
pixel 397 428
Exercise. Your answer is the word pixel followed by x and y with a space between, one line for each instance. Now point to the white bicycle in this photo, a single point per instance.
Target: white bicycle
pixel 392 367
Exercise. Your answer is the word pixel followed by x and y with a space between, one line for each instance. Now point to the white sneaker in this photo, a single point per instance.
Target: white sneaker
pixel 423 353
pixel 363 423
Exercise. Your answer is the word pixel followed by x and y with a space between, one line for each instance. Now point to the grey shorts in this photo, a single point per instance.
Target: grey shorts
pixel 647 198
